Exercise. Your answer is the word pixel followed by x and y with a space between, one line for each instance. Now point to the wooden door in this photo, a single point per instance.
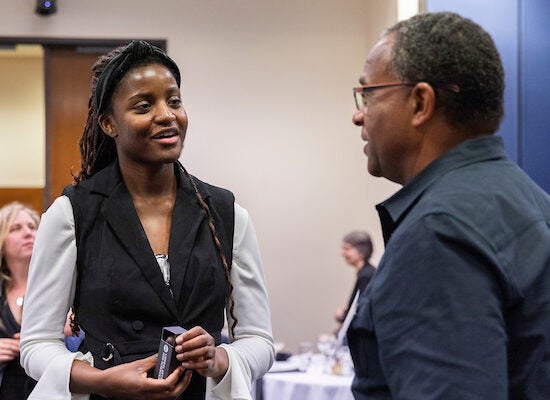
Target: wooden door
pixel 68 84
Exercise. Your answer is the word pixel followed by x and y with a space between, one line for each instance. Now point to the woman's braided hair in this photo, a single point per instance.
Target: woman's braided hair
pixel 218 244
pixel 98 150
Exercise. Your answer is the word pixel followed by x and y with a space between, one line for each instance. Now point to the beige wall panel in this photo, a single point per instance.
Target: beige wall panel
pixel 22 126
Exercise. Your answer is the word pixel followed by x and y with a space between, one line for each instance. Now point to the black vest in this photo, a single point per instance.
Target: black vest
pixel 121 300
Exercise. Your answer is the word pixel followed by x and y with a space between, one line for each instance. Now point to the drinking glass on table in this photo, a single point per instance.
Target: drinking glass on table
pixel 305 354
pixel 327 344
pixel 343 364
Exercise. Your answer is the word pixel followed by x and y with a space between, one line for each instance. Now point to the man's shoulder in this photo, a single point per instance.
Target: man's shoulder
pixel 497 201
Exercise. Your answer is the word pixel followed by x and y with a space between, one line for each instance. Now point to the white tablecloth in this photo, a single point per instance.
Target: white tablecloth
pixel 311 385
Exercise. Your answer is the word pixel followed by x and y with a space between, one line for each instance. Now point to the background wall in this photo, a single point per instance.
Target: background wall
pixel 22 125
pixel 267 87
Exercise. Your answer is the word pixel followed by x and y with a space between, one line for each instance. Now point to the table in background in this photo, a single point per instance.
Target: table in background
pixel 311 385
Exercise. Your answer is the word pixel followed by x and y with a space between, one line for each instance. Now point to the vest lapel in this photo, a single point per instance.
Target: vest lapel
pixel 121 216
pixel 186 221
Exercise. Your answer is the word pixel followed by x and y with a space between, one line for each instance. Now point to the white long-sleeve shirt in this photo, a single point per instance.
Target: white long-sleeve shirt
pixel 51 288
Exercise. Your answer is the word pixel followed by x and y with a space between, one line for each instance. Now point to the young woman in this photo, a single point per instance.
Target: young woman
pixel 137 244
pixel 18 224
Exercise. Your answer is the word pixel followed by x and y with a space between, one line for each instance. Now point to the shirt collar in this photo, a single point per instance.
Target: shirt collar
pixel 472 151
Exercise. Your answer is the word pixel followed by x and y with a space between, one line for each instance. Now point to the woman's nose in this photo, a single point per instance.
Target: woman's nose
pixel 165 114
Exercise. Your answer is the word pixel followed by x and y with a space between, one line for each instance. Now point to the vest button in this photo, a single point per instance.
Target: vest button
pixel 137 325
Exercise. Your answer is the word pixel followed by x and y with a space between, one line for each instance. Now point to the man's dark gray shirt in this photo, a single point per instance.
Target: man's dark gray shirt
pixel 459 307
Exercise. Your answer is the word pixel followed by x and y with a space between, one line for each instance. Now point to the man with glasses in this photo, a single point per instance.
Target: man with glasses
pixel 459 307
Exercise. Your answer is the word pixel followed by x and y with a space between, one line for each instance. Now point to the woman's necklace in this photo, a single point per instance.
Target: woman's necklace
pixel 17 308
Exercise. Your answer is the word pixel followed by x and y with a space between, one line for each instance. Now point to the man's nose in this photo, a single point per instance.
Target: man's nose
pixel 357 118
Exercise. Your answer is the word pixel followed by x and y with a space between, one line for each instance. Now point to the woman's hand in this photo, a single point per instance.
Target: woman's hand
pixel 9 348
pixel 197 351
pixel 340 314
pixel 129 380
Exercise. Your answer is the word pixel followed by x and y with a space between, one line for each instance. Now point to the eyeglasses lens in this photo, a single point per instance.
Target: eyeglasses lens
pixel 359 99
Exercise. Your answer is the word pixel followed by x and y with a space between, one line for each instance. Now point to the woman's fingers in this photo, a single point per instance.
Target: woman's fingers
pixel 9 349
pixel 148 362
pixel 194 344
pixel 130 380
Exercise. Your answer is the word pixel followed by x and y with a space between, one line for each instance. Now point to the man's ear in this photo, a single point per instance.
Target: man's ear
pixel 423 96
pixel 107 125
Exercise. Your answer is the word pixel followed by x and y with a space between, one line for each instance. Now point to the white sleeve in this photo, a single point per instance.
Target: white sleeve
pixel 251 351
pixel 50 292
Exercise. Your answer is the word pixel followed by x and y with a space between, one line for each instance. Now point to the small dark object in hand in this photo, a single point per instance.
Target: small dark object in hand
pixel 167 361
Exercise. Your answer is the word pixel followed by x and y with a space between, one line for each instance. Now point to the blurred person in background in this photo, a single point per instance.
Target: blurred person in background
pixel 18 225
pixel 356 251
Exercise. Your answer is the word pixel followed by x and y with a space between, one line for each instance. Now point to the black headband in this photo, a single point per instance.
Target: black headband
pixel 134 53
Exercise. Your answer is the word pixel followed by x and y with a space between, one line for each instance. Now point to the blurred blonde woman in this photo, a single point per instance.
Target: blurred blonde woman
pixel 18 224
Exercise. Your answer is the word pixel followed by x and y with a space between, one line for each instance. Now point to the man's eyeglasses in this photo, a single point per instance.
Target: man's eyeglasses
pixel 360 93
